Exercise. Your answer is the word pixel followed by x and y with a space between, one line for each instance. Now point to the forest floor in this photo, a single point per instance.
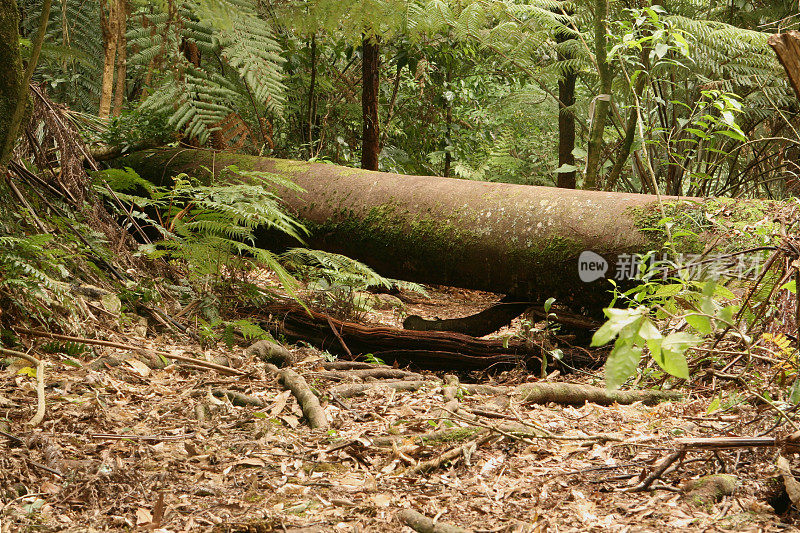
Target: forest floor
pixel 130 446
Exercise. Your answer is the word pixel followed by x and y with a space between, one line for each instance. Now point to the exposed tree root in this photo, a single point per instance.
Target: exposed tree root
pixel 308 401
pixel 573 394
pixel 368 374
pixel 436 350
pixel 422 524
pixel 357 389
pixel 487 321
pixel 542 393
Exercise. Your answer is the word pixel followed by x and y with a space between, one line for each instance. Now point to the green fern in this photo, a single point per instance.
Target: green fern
pixel 239 65
pixel 340 270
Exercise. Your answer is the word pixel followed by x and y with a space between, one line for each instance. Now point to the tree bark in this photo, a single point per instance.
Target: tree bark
pixel 13 81
pixel 602 101
pixel 109 26
pixel 566 117
pixel 11 88
pixel 513 239
pixel 122 56
pixel 370 70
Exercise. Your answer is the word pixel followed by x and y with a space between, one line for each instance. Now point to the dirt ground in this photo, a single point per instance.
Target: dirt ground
pixel 130 446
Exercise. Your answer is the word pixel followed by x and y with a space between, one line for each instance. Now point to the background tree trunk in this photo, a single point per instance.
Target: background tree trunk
pixel 109 25
pixel 602 101
pixel 122 56
pixel 566 117
pixel 371 72
pixel 11 76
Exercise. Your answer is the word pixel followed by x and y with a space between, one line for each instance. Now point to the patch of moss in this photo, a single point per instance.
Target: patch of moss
pixel 455 435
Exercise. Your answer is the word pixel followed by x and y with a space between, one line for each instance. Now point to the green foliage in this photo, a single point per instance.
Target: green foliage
pixel 210 229
pixel 226 330
pixel 337 269
pixel 31 274
pixel 634 328
pixel 71 62
pixel 236 70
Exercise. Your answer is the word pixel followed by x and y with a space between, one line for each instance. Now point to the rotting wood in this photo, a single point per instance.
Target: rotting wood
pixel 787 48
pixel 434 350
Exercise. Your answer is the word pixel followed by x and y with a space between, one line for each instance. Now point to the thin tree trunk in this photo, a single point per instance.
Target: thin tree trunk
pixel 603 100
pixel 122 56
pixel 630 129
pixel 392 102
pixel 109 26
pixel 448 156
pixel 13 80
pixel 311 88
pixel 370 68
pixel 566 117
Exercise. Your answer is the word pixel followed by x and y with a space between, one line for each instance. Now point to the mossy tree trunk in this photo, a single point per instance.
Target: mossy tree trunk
pixel 513 239
pixel 11 76
pixel 13 80
pixel 602 102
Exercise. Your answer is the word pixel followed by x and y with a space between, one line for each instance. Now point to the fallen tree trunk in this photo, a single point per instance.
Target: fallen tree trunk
pixel 519 240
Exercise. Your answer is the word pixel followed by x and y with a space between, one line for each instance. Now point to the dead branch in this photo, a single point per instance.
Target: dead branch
pixel 97 342
pixel 40 402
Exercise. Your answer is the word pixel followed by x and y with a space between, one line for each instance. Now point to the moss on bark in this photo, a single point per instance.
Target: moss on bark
pixel 10 75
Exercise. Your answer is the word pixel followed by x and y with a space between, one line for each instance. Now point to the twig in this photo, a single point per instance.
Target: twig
pixel 657 471
pixel 450 455
pixel 339 336
pixel 185 358
pixel 40 404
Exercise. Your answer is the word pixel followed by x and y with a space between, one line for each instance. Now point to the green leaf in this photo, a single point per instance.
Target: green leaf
pixel 617 320
pixel 648 330
pixel 680 342
pixel 27 371
pixel 700 322
pixel 790 286
pixel 548 304
pixel 714 405
pixel 566 168
pixel 673 362
pixel 621 364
